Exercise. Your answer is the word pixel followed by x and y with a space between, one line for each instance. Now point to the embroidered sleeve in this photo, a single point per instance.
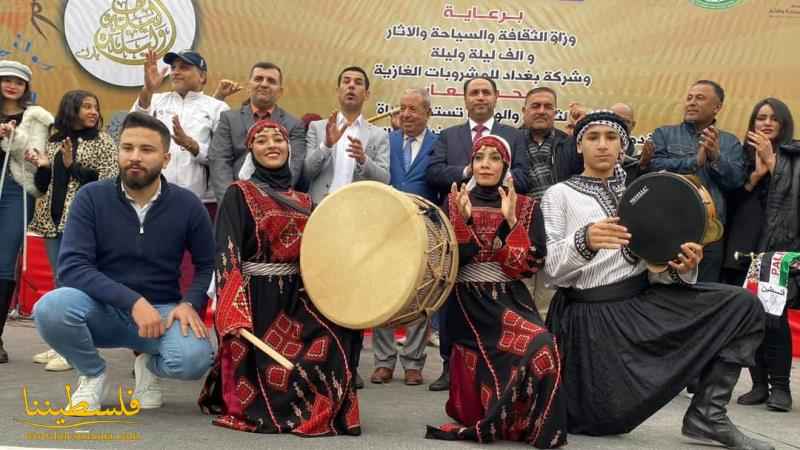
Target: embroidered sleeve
pixel 517 255
pixel 233 298
pixel 582 243
pixel 671 276
pixel 463 230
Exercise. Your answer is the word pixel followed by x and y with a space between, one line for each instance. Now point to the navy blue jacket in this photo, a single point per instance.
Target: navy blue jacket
pixel 109 256
pixel 452 151
pixel 412 181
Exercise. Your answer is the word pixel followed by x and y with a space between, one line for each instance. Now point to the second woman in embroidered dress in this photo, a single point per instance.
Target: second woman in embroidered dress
pixel 504 367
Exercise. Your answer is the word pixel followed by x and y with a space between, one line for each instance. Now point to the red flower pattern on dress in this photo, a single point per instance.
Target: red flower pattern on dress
pixel 517 333
pixel 543 363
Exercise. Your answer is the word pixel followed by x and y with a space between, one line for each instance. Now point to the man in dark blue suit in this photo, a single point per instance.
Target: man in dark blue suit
pixel 449 163
pixel 409 152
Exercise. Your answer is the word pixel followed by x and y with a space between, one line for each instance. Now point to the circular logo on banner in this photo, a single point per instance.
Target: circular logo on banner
pixel 716 4
pixel 110 38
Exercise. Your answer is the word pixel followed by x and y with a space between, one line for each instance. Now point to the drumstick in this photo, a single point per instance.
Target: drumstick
pixel 381 116
pixel 267 349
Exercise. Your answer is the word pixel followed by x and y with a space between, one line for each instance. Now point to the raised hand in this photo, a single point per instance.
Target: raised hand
pixel 182 139
pixel 226 88
pixel 709 140
pixel 152 76
pixel 67 154
pixel 462 200
pixel 765 153
pixel 607 234
pixel 332 132
pixel 508 203
pixel 648 149
pixel 37 157
pixel 7 128
pixel 356 150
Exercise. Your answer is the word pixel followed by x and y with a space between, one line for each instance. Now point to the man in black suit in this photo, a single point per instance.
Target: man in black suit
pixel 449 162
pixel 227 152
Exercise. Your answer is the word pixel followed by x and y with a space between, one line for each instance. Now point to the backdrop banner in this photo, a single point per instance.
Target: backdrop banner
pixel 645 53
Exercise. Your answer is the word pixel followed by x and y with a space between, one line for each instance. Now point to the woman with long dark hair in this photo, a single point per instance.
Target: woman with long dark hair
pixel 22 127
pixel 764 217
pixel 77 153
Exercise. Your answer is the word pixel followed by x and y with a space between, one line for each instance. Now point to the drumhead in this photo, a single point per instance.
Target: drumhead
pixel 662 211
pixel 363 254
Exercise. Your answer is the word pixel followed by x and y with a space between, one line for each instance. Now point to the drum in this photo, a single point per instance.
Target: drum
pixel 374 256
pixel 662 211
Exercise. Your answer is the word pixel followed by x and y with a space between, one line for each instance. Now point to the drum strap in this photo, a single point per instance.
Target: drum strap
pixel 267 269
pixel 489 272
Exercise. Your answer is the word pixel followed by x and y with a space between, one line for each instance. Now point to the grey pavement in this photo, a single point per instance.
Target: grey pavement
pixel 393 416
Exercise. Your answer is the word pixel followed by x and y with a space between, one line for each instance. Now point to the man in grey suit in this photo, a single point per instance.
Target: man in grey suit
pixel 343 149
pixel 346 148
pixel 228 150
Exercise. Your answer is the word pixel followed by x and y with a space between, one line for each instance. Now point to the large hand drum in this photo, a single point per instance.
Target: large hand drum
pixel 662 211
pixel 374 256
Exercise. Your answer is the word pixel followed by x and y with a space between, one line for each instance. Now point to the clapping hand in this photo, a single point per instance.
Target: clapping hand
pixel 37 157
pixel 508 203
pixel 462 200
pixel 332 131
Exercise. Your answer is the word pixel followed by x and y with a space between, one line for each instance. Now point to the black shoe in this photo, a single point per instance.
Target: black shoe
pixel 443 382
pixel 780 399
pixel 707 418
pixel 358 383
pixel 6 290
pixel 760 391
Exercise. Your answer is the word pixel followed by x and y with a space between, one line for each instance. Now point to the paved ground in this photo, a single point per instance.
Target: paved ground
pixel 393 416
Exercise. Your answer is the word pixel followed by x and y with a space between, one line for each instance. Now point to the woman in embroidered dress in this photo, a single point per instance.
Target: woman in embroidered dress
pixel 504 367
pixel 77 153
pixel 258 235
pixel 633 338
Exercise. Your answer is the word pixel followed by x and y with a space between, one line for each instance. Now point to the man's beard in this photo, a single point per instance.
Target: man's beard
pixel 140 182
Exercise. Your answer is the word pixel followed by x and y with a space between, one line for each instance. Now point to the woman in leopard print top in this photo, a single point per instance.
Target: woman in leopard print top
pixel 77 153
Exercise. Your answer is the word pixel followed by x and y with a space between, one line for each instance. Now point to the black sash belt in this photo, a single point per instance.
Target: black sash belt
pixel 619 291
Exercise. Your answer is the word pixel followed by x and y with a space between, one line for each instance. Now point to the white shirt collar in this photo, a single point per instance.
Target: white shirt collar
pixel 489 124
pixel 418 137
pixel 358 123
pixel 152 199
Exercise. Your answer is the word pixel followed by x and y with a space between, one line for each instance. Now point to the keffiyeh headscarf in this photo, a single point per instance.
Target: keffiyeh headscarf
pixel 603 117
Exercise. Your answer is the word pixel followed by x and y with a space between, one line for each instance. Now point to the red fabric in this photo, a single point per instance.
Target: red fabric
pixel 464 404
pixel 794 325
pixel 37 278
pixel 515 258
pixel 494 142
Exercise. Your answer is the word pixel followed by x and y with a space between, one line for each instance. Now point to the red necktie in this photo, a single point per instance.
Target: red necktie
pixel 478 129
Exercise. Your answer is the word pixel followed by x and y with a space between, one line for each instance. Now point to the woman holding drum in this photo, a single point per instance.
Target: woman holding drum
pixel 505 366
pixel 259 292
pixel 763 218
pixel 632 338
